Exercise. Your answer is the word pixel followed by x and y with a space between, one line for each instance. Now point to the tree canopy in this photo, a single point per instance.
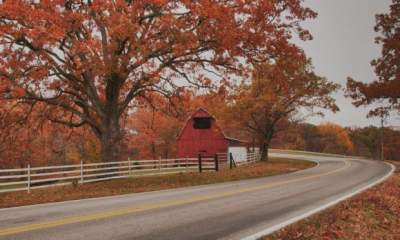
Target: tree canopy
pixel 277 92
pixel 90 61
pixel 386 89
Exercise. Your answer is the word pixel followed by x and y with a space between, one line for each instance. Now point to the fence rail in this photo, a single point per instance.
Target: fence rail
pixel 41 177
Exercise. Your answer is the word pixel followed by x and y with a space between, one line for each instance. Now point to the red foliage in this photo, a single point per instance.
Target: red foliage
pixel 387 67
pixel 155 134
pixel 94 60
pixel 27 137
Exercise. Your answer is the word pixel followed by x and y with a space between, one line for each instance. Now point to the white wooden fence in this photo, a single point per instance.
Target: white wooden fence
pixel 251 158
pixel 41 177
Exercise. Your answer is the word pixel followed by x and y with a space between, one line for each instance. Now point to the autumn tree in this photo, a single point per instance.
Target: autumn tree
pixel 27 138
pixel 89 61
pixel 13 137
pixel 367 142
pixel 155 129
pixel 311 136
pixel 387 87
pixel 335 139
pixel 391 146
pixel 276 93
pixel 291 138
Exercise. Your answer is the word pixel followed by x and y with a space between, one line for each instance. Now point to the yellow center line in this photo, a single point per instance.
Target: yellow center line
pixel 147 207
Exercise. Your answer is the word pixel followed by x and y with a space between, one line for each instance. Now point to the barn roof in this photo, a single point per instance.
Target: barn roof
pixel 198 112
pixel 234 139
pixel 207 114
pixel 192 116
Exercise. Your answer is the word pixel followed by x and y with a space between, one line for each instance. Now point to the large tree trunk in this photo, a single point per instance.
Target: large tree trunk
pixel 110 140
pixel 264 151
pixel 111 129
pixel 266 141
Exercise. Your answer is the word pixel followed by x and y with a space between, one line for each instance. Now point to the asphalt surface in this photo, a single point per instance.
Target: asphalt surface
pixel 234 210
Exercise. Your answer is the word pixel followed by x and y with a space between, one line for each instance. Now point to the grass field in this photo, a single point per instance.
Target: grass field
pixel 373 214
pixel 153 183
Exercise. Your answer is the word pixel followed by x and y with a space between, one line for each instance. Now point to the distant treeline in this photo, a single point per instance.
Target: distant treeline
pixel 332 138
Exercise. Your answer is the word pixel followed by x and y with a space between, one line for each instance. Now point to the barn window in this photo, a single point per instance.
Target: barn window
pixel 202 123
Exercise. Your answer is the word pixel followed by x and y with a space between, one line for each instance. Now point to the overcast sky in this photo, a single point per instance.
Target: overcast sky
pixel 344 46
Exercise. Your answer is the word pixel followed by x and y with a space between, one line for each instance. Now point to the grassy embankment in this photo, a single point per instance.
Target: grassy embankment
pixel 373 214
pixel 154 183
pixel 307 153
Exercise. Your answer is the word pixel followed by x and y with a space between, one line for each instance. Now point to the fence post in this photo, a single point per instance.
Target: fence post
pixel 159 164
pixel 186 163
pixel 129 166
pixel 216 162
pixel 81 172
pixel 29 177
pixel 200 166
pixel 231 161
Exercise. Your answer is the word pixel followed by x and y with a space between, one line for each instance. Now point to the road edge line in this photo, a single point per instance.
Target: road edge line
pixel 279 226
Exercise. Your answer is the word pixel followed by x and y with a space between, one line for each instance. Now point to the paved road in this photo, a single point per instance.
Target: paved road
pixel 233 210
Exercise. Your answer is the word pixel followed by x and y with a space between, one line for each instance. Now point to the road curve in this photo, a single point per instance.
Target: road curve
pixel 236 210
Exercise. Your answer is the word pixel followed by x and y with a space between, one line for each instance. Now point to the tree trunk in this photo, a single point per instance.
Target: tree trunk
pixel 110 140
pixel 264 151
pixel 270 130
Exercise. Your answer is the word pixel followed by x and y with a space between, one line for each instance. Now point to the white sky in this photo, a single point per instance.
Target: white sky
pixel 344 46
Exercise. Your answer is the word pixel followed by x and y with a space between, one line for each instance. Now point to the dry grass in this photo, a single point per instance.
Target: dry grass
pixel 374 214
pixel 146 184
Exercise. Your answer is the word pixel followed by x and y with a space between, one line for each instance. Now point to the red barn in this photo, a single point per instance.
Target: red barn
pixel 202 135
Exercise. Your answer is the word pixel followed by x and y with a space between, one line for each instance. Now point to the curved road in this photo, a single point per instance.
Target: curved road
pixel 236 210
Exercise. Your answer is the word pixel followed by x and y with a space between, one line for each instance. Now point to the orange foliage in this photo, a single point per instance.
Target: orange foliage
pixel 33 139
pixel 277 92
pixel 335 139
pixel 387 67
pixel 92 61
pixel 155 134
pixel 373 214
